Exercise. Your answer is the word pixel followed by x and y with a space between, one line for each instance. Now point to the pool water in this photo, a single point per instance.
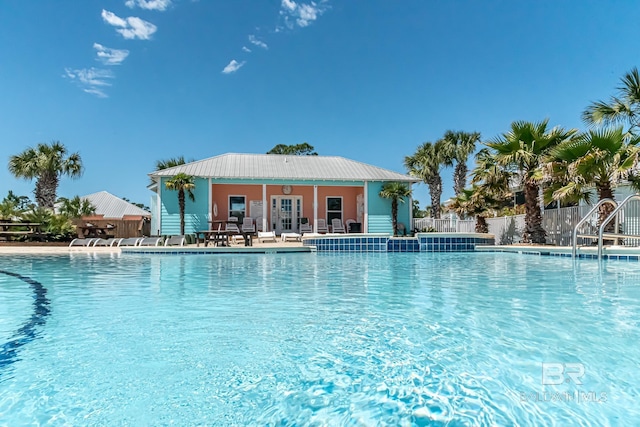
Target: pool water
pixel 319 339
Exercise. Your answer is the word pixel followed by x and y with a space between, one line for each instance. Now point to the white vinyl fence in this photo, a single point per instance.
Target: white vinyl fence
pixel 451 225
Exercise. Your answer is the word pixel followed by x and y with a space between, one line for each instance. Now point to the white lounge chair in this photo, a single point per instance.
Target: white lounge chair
pixel 234 232
pixel 106 242
pixel 337 226
pixel 175 241
pixel 266 235
pixel 322 226
pixel 150 241
pixel 290 236
pixel 81 242
pixel 129 241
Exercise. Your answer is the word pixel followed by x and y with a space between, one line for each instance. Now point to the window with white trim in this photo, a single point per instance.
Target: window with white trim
pixel 334 208
pixel 238 207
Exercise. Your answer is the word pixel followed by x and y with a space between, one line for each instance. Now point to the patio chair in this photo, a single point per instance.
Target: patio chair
pixel 266 235
pixel 306 228
pixel 175 241
pixel 258 223
pixel 81 242
pixel 234 232
pixel 347 224
pixel 129 241
pixel 337 226
pixel 248 226
pixel 322 226
pixel 150 241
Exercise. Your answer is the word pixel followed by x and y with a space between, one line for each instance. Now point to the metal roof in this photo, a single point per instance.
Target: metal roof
pixel 279 166
pixel 112 206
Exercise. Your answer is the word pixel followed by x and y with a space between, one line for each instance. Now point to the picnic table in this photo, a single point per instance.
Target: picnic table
pixel 17 229
pixel 93 231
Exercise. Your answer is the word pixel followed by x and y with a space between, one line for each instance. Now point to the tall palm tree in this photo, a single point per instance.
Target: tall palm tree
pixel 520 150
pixel 459 146
pixel 622 108
pixel 597 158
pixel 182 183
pixel 46 163
pixel 397 192
pixel 425 164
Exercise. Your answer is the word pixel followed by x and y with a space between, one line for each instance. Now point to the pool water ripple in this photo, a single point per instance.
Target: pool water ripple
pixel 324 339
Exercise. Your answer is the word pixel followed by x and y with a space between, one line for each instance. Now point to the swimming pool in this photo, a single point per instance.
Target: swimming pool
pixel 320 339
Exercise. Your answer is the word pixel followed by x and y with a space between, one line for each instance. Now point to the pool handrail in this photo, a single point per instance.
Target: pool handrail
pixel 612 215
pixel 574 237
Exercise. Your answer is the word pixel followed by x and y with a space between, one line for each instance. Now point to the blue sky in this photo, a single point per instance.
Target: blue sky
pixel 128 82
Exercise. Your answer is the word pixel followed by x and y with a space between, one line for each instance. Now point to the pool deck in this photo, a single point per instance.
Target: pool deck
pixel 275 247
pixel 611 252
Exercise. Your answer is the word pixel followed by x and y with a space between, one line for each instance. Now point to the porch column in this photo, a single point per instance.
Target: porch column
pixel 365 226
pixel 264 207
pixel 315 208
pixel 209 213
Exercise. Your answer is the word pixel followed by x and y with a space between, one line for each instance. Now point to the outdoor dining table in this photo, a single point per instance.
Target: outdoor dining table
pixel 220 236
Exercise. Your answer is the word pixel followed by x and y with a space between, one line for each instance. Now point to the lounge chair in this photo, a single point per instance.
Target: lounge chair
pixel 266 235
pixel 290 236
pixel 322 226
pixel 175 241
pixel 129 241
pixel 337 226
pixel 106 242
pixel 234 232
pixel 150 241
pixel 81 242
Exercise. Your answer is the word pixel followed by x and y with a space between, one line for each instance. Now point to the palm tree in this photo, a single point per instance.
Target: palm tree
pixel 597 158
pixel 476 201
pixel 76 207
pixel 182 183
pixel 46 163
pixel 169 163
pixel 425 164
pixel 459 146
pixel 622 108
pixel 397 192
pixel 520 150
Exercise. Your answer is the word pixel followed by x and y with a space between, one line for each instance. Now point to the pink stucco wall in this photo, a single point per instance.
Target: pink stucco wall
pixel 221 193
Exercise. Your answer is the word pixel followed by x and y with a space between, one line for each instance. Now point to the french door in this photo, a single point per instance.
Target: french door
pixel 285 211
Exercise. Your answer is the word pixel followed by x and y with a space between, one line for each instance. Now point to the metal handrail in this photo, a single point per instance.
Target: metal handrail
pixel 574 240
pixel 612 215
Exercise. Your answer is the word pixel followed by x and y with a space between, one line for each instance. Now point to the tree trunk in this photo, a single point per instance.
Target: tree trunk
pixel 606 192
pixel 533 233
pixel 45 192
pixel 481 224
pixel 459 177
pixel 181 206
pixel 394 215
pixel 435 190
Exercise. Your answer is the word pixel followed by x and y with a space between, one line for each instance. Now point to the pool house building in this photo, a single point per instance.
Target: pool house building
pixel 279 192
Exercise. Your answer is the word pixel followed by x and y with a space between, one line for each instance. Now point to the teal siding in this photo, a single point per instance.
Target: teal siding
pixel 155 226
pixel 379 209
pixel 196 213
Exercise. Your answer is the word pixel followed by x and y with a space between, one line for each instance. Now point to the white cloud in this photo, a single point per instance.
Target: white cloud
pixel 91 80
pixel 131 27
pixel 160 5
pixel 233 66
pixel 110 56
pixel 255 41
pixel 301 14
pixel 289 4
pixel 246 49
